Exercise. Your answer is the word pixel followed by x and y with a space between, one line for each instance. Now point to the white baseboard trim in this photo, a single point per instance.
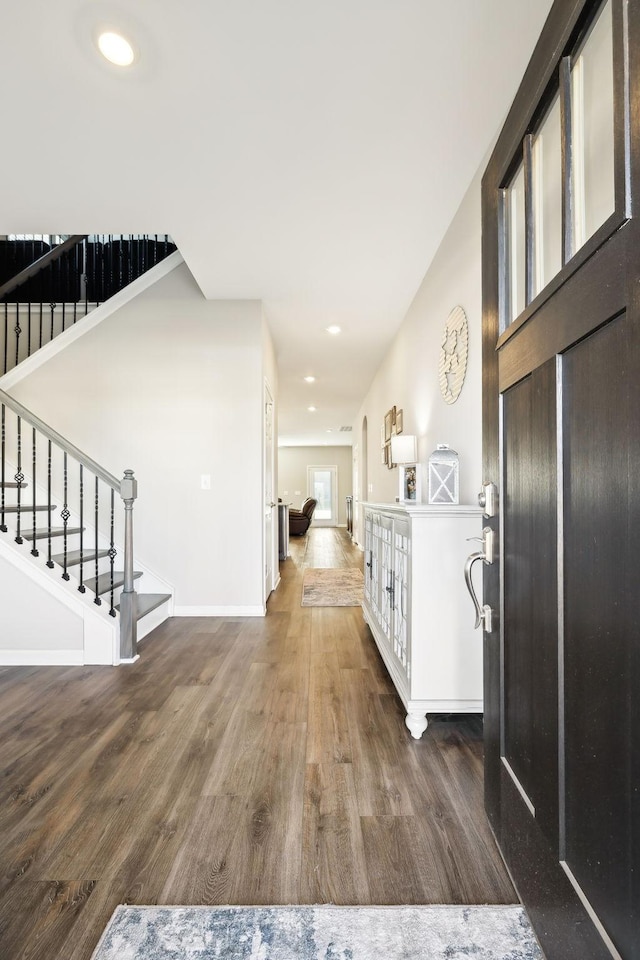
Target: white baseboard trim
pixel 248 611
pixel 41 658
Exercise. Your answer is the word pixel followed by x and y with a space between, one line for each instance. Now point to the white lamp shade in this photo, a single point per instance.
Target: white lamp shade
pixel 404 449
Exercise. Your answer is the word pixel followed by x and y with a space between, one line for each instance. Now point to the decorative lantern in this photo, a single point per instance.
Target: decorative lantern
pixel 443 475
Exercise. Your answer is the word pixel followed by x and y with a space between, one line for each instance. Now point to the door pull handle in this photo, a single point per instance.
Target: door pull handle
pixel 484 614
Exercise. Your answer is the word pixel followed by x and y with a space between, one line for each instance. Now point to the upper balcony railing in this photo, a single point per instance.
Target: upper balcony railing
pixel 46 287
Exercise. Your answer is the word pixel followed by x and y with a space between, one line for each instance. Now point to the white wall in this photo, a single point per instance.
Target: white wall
pixel 33 621
pixel 292 473
pixel 171 385
pixel 408 377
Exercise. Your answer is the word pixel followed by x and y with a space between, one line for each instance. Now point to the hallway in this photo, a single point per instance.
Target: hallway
pixel 240 761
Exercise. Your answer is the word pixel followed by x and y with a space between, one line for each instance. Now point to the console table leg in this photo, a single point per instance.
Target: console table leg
pixel 417 724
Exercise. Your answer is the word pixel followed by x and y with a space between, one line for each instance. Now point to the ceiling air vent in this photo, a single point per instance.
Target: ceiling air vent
pixel 346 429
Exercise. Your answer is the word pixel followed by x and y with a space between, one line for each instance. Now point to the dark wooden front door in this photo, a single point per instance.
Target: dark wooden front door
pixel 561 412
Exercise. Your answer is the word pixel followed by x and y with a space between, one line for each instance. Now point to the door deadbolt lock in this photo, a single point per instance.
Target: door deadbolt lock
pixel 488 498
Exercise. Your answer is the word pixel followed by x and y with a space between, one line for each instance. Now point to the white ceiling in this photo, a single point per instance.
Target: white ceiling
pixel 307 154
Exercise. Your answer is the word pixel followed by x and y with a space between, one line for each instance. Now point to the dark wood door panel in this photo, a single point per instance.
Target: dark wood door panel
pixel 571 314
pixel 601 388
pixel 531 592
pixel 519 681
pixel 553 905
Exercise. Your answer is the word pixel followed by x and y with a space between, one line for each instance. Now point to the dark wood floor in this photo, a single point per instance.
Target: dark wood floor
pixel 243 761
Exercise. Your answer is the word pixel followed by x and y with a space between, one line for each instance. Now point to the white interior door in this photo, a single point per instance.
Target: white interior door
pixel 322 485
pixel 269 502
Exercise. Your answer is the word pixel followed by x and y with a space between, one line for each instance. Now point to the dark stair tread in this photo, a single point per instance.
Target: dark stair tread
pixel 73 557
pixel 148 602
pixel 25 508
pixel 103 582
pixel 43 532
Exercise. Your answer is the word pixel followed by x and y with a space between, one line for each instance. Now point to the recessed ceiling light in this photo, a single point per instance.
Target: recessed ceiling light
pixel 116 49
pixel 311 409
pixel 334 330
pixel 329 431
pixel 310 379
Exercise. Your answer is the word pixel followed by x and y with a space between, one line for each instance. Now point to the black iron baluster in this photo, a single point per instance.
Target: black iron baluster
pixel 77 279
pixel 34 542
pixel 124 262
pixel 19 477
pixel 82 587
pixel 103 255
pixel 49 507
pixel 65 514
pixel 6 335
pixel 3 525
pixel 120 265
pixel 90 247
pixel 17 330
pixel 108 292
pixel 112 552
pixel 83 271
pixel 64 286
pixel 53 307
pixel 29 328
pixel 41 321
pixel 55 287
pixel 39 285
pixel 97 504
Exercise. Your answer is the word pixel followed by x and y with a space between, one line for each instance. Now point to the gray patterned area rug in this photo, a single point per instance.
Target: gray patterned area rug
pixel 332 587
pixel 318 933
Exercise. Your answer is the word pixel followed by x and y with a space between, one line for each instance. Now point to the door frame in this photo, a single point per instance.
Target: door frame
pixel 271 570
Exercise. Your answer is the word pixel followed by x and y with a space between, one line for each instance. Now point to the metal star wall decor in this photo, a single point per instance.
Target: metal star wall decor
pixel 454 348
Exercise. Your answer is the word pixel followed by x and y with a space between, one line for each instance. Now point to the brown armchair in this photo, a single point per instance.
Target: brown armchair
pixel 299 520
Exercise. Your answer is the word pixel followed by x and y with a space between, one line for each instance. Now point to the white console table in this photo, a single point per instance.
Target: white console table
pixel 418 608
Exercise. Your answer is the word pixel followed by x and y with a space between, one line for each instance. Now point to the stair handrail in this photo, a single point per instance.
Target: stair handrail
pixel 34 268
pixel 127 488
pixel 60 441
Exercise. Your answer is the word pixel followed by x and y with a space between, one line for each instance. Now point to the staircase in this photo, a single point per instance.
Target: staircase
pixel 73 517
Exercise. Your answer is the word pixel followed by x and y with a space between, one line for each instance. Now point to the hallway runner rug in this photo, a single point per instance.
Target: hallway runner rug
pixel 332 587
pixel 318 933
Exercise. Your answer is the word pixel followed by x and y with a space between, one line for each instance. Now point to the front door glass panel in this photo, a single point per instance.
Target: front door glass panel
pixel 592 130
pixel 547 199
pixel 517 244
